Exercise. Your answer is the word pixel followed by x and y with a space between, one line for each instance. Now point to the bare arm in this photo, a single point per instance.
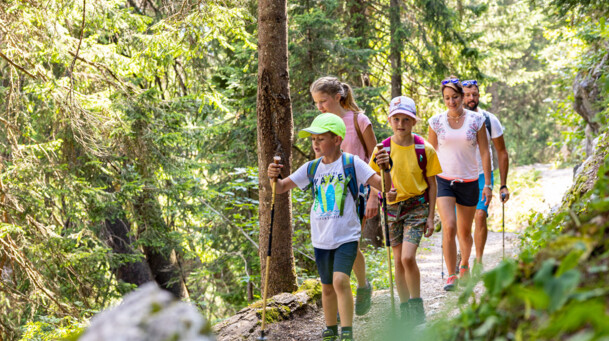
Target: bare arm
pixel 283 185
pixel 370 140
pixel 485 155
pixel 432 138
pixel 504 164
pixel 372 206
pixel 375 181
pixel 382 160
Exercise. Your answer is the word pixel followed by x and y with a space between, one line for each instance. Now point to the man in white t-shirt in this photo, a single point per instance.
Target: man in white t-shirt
pixel 494 132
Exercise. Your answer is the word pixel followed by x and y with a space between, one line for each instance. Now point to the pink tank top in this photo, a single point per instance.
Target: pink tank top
pixel 352 144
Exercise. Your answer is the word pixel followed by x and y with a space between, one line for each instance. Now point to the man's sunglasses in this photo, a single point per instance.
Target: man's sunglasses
pixel 470 82
pixel 452 80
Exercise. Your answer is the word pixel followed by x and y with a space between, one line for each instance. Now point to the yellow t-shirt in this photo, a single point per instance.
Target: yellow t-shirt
pixel 406 175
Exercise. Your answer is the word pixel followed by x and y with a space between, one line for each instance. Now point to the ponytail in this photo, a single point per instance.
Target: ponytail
pixel 332 86
pixel 347 100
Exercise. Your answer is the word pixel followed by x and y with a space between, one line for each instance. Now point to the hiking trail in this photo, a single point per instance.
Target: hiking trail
pixel 541 193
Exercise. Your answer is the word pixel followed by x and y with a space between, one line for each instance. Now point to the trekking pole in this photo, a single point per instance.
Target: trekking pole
pixel 386 234
pixel 442 251
pixel 276 159
pixel 503 221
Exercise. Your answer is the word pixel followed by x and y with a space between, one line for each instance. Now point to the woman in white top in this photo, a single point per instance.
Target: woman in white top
pixel 333 96
pixel 455 134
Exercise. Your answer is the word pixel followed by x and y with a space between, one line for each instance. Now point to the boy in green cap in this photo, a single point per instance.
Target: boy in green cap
pixel 335 228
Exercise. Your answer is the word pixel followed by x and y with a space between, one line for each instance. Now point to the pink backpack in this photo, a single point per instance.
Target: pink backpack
pixel 419 149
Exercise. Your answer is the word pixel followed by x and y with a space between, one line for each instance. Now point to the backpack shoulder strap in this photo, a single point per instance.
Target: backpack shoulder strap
pixel 359 133
pixel 351 180
pixel 311 169
pixel 419 149
pixel 487 123
pixel 349 169
pixel 387 145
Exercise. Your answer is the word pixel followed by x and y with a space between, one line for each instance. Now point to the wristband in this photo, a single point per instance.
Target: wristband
pixel 489 186
pixel 502 187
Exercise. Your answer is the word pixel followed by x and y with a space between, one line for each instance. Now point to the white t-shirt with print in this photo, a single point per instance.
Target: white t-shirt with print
pixel 457 147
pixel 329 229
pixel 497 131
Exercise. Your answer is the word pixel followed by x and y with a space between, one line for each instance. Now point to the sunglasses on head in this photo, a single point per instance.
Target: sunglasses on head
pixel 470 82
pixel 452 80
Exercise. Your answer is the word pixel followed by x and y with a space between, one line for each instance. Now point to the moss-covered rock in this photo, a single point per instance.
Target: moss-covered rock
pixel 281 310
pixel 312 287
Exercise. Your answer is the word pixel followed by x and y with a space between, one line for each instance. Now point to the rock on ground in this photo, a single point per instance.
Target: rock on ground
pixel 292 310
pixel 149 314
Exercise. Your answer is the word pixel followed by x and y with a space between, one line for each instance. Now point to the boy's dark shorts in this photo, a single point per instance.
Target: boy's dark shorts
pixel 466 193
pixel 407 220
pixel 338 260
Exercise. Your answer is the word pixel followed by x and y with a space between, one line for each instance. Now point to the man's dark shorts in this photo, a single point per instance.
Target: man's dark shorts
pixel 340 259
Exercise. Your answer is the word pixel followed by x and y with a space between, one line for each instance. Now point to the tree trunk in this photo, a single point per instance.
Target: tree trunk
pixel 162 260
pixel 396 43
pixel 373 232
pixel 359 26
pixel 117 236
pixel 274 138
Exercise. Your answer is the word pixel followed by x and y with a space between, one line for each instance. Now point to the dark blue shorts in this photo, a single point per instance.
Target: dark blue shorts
pixel 338 260
pixel 466 193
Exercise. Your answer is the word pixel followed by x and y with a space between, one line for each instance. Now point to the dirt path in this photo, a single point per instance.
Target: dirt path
pixel 538 194
pixel 436 300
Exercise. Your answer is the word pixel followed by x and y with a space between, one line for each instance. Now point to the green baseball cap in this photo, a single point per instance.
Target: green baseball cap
pixel 325 123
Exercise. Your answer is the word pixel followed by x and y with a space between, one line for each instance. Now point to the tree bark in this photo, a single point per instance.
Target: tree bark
pixel 395 48
pixel 359 27
pixel 162 260
pixel 275 132
pixel 117 236
pixel 373 232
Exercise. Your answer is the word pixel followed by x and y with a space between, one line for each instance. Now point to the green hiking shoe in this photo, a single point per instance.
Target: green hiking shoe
pixel 404 312
pixel 363 299
pixel 328 335
pixel 417 311
pixel 346 335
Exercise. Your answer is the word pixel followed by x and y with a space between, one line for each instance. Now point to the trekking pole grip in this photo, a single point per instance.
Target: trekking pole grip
pixel 276 160
pixel 378 148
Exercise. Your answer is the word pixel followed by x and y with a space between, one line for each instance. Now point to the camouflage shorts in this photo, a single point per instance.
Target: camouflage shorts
pixel 406 220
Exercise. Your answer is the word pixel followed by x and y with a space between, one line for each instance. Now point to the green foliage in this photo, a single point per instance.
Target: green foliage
pixel 50 328
pixel 556 288
pixel 149 117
